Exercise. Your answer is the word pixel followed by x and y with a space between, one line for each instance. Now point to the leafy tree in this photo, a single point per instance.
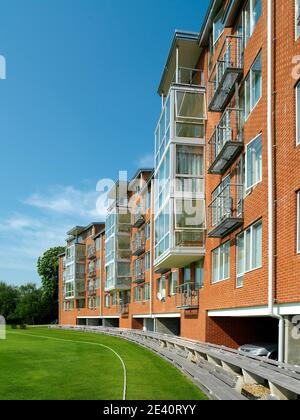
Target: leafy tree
pixel 48 267
pixel 30 309
pixel 9 298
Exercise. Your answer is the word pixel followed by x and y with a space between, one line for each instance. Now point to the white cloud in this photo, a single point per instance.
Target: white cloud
pixel 44 224
pixel 69 201
pixel 146 161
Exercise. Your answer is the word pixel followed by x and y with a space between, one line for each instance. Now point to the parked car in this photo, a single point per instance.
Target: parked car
pixel 268 350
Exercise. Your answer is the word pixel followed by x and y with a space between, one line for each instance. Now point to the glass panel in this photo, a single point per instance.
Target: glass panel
pixel 190 160
pixel 248 250
pixel 190 105
pixel 218 26
pixel 297 18
pixel 256 80
pixel 254 162
pixel 186 130
pixel 190 214
pixel 257 11
pixel 199 275
pixel 247 17
pixel 257 246
pixel 215 265
pixel 187 275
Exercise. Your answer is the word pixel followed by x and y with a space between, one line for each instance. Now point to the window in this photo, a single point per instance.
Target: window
pixel 240 186
pixel 107 301
pixel 98 244
pixel 199 271
pixel 221 263
pixel 190 169
pixel 252 13
pixel 173 283
pixel 161 288
pixel 190 214
pixel 138 294
pixel 298 112
pixel 254 163
pixel 147 261
pixel 249 251
pixel 147 292
pixel 253 86
pixel 114 299
pixel 218 27
pixel 147 231
pixel 297 14
pixel 298 222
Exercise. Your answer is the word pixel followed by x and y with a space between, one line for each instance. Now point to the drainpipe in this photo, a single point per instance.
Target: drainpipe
pixel 272 312
pixel 151 247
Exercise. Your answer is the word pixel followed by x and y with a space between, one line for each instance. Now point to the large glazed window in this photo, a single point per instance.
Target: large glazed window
pixel 254 163
pixel 189 169
pixel 253 86
pixel 221 263
pixel 218 26
pixel 249 251
pixel 252 14
pixel 190 214
pixel 162 135
pixel 190 114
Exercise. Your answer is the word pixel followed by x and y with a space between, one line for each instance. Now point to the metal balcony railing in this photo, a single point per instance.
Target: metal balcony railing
pixel 123 309
pixel 138 245
pixel 138 218
pixel 226 73
pixel 226 142
pixel 187 297
pixel 189 77
pixel 92 272
pixel 91 253
pixel 226 211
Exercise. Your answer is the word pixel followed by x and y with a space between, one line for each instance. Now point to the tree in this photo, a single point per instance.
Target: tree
pixel 30 308
pixel 48 268
pixel 9 298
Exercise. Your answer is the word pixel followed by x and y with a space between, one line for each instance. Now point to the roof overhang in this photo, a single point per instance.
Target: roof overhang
pixel 189 54
pixel 77 230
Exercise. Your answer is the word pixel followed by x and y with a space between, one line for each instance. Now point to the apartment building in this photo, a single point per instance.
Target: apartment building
pixel 81 276
pixel 207 246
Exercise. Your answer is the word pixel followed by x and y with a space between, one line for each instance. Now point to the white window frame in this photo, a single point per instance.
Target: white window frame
pixel 249 189
pixel 297 93
pixel 147 296
pixel 253 268
pixel 298 222
pixel 219 250
pixel 252 25
pixel 248 79
pixel 297 14
pixel 217 18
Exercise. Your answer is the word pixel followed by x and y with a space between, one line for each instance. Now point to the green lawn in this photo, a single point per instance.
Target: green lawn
pixel 36 368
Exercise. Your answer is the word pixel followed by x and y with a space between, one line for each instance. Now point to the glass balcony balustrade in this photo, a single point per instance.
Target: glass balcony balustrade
pixel 226 73
pixel 118 249
pixel 180 221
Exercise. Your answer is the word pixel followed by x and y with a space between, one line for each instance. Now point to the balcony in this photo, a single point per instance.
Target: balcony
pixel 187 298
pixel 123 309
pixel 226 73
pixel 185 76
pixel 138 277
pixel 138 219
pixel 226 143
pixel 92 291
pixel 92 273
pixel 91 253
pixel 226 211
pixel 138 246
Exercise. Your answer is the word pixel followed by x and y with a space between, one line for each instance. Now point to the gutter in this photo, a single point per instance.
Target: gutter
pixel 271 226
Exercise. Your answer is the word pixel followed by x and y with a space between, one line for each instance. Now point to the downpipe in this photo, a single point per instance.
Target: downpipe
pixel 271 309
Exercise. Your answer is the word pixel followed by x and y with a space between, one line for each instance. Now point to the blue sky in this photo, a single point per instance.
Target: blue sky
pixel 79 104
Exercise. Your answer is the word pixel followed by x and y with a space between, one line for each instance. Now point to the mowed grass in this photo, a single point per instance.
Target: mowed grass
pixel 36 368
